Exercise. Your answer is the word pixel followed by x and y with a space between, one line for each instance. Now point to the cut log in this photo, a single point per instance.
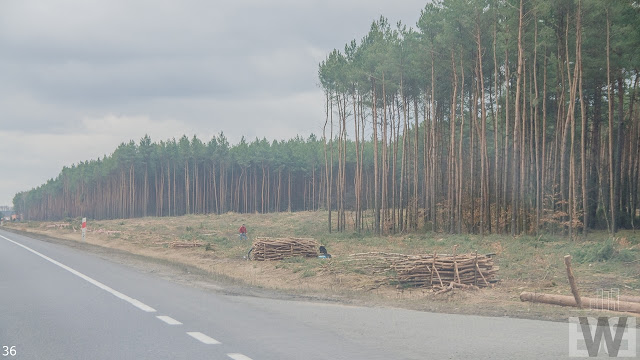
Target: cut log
pixel 565 300
pixel 630 298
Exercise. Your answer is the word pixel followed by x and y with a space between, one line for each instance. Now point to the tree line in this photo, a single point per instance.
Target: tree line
pixel 185 176
pixel 491 116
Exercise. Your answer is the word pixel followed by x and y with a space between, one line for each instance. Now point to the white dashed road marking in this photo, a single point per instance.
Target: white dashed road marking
pixel 140 305
pixel 169 320
pixel 238 357
pixel 203 338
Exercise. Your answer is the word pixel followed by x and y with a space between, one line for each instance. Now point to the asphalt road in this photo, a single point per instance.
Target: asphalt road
pixel 58 302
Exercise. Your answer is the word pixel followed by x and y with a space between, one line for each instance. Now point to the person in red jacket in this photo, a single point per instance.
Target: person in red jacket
pixel 243 232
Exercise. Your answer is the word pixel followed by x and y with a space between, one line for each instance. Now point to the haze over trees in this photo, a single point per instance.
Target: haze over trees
pixel 488 117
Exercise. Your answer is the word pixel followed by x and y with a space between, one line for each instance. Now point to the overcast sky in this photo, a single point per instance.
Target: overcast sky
pixel 79 77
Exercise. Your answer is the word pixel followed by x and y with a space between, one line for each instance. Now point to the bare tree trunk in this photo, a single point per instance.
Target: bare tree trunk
pixel 326 161
pixel 385 160
pixel 543 169
pixel 536 126
pixel 433 162
pixel 583 117
pixel 376 186
pixel 452 170
pixel 484 178
pixel 505 179
pixel 357 173
pixel 516 130
pixel 634 154
pixel 403 167
pixel 495 115
pixel 460 145
pixel 612 197
pixel 416 147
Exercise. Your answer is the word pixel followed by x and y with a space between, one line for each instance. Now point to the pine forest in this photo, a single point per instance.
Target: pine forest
pixel 487 116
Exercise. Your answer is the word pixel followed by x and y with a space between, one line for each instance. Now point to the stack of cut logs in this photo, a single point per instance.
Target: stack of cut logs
pixel 265 248
pixel 185 244
pixel 434 270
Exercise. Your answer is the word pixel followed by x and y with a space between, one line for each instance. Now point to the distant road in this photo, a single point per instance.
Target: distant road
pixel 58 302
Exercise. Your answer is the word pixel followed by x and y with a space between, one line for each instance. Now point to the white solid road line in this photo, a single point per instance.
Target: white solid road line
pixel 238 357
pixel 97 283
pixel 169 320
pixel 203 338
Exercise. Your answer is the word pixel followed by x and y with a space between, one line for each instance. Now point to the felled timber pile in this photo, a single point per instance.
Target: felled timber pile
pixel 184 244
pixel 438 271
pixel 265 248
pixel 442 270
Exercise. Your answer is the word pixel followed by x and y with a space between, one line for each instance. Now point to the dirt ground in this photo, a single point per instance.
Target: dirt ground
pixel 220 264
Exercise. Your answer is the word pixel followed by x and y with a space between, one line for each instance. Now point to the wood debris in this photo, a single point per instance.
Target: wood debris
pixel 437 271
pixel 108 232
pixel 185 244
pixel 267 249
pixel 58 225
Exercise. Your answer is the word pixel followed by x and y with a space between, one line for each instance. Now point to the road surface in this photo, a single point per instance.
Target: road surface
pixel 58 302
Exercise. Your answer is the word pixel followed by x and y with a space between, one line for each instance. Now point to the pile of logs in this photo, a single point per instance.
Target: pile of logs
pixel 430 270
pixel 184 244
pixel 441 271
pixel 265 248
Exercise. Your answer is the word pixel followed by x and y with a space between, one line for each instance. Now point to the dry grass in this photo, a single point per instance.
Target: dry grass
pixel 526 263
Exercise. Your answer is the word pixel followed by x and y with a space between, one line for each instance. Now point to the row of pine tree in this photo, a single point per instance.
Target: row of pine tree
pixel 492 116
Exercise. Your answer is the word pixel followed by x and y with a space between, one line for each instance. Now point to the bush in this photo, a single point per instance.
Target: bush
pixel 595 252
pixel 604 251
pixel 626 255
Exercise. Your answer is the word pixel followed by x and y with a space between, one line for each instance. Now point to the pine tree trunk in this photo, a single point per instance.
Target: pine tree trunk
pixel 516 130
pixel 583 117
pixel 612 196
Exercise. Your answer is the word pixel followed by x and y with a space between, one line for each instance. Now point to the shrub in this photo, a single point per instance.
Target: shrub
pixel 604 251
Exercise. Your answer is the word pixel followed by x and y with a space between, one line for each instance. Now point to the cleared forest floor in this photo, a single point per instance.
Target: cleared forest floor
pixel 527 263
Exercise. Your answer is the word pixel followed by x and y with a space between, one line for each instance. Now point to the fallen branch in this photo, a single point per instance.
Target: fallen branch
pixel 455 285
